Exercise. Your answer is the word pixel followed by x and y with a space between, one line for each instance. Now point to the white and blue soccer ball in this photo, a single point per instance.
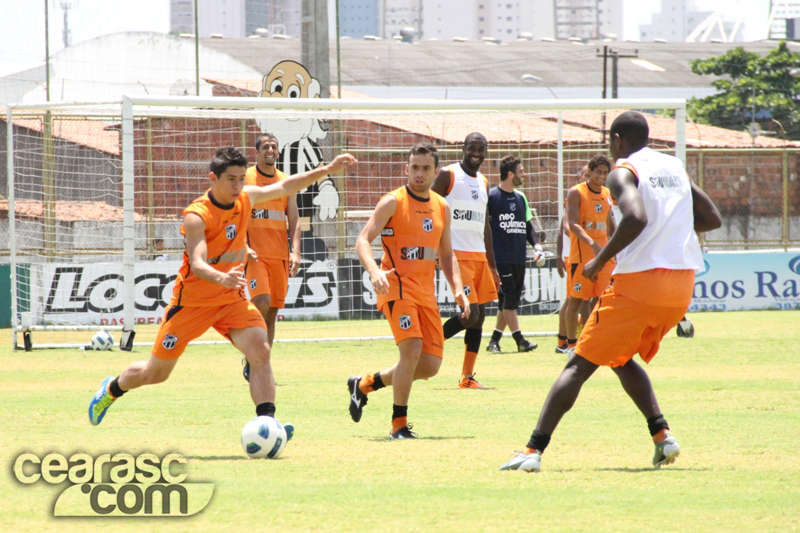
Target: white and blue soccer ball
pixel 264 437
pixel 102 340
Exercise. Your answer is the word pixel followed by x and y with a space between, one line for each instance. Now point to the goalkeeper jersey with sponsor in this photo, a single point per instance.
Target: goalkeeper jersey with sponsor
pixel 669 240
pixel 226 231
pixel 267 233
pixel 467 196
pixel 410 242
pixel 508 216
pixel 593 218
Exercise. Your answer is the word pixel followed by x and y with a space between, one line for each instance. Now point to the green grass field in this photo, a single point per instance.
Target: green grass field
pixel 731 395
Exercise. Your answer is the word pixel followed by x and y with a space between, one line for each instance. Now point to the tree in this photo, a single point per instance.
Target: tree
pixel 757 90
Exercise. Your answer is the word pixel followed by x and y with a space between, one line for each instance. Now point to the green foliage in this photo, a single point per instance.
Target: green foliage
pixel 751 85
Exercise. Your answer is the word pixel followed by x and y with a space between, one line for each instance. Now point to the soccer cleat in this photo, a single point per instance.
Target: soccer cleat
pixel 403 433
pixel 246 369
pixel 493 347
pixel 562 349
pixel 289 431
pixel 529 463
pixel 100 403
pixel 357 398
pixel 470 382
pixel 666 451
pixel 526 346
pixel 685 328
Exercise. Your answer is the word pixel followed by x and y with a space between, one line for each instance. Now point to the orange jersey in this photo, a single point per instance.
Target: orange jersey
pixel 226 232
pixel 410 243
pixel 267 234
pixel 594 221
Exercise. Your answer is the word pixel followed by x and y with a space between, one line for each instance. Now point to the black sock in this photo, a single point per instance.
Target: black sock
pixel 452 326
pixel 399 411
pixel 265 409
pixel 562 340
pixel 656 424
pixel 114 389
pixel 472 339
pixel 518 336
pixel 497 335
pixel 377 382
pixel 539 440
pixel 572 341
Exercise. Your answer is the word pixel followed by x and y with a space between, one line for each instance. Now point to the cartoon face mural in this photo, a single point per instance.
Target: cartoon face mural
pixel 298 144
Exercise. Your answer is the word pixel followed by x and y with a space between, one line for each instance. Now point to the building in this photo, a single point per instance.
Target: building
pixel 780 11
pixel 675 22
pixel 230 18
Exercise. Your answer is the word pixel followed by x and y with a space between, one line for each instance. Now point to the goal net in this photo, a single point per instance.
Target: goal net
pixel 96 194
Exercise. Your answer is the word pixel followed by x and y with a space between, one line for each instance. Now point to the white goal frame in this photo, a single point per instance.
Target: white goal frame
pixel 130 108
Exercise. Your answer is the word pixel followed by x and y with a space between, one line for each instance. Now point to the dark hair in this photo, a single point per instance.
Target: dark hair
pixel 632 127
pixel 598 160
pixel 262 136
pixel 425 149
pixel 508 164
pixel 227 157
pixel 475 135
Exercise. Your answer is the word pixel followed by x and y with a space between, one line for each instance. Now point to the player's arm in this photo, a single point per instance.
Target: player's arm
pixel 623 185
pixel 377 221
pixel 706 214
pixel 560 248
pixel 442 182
pixel 574 218
pixel 299 181
pixel 449 265
pixel 294 234
pixel 197 252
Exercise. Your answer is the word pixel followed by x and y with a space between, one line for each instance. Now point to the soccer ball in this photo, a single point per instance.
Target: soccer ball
pixel 264 437
pixel 102 340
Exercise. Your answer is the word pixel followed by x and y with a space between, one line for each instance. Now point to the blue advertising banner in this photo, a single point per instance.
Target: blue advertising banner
pixel 737 281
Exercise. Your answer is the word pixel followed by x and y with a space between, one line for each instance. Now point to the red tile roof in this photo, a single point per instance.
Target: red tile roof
pixel 95 134
pixel 68 211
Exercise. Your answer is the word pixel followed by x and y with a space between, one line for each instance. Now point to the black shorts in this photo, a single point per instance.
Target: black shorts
pixel 512 282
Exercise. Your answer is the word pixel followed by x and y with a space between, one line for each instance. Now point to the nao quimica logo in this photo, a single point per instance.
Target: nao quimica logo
pixel 116 485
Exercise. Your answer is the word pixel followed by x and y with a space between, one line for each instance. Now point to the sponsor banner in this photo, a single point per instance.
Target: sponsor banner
pixel 71 293
pixel 735 281
pixel 543 293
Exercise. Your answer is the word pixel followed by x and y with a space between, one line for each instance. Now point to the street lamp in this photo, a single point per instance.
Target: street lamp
pixel 530 78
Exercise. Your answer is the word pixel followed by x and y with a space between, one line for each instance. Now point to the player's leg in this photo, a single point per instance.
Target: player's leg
pixel 180 326
pixel 252 342
pixel 511 305
pixel 472 345
pixel 259 284
pixel 457 323
pixel 278 286
pixel 561 347
pixel 571 320
pixel 499 326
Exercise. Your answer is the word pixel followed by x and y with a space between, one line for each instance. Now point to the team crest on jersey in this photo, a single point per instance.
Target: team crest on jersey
pixel 253 284
pixel 475 194
pixel 427 224
pixel 577 287
pixel 467 290
pixel 598 208
pixel 405 322
pixel 230 231
pixel 169 341
pixel 513 207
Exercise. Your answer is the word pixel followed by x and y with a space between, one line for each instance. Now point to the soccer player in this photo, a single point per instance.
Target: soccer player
pixel 590 225
pixel 209 289
pixel 268 275
pixel 467 192
pixel 510 221
pixel 659 211
pixel 562 260
pixel 414 225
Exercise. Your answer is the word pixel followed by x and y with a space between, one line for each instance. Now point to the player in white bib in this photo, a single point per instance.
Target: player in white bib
pixel 467 192
pixel 659 212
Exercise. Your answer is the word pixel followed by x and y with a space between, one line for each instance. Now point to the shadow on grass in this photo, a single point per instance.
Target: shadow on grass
pixel 456 387
pixel 387 439
pixel 650 469
pixel 218 457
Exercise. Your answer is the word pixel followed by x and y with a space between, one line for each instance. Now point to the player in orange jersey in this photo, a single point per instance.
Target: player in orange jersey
pixel 659 211
pixel 590 225
pixel 268 274
pixel 209 290
pixel 414 225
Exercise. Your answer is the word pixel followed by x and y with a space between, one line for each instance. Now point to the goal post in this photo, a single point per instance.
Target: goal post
pixel 96 193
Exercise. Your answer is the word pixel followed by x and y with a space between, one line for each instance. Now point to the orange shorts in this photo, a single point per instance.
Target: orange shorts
pixel 409 320
pixel 268 276
pixel 478 282
pixel 184 324
pixel 585 289
pixel 634 314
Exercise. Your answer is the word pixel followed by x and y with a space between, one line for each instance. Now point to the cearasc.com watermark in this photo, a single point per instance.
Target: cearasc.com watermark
pixel 116 485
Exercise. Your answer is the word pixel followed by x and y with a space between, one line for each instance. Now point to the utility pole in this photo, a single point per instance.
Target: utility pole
pixel 314 42
pixel 615 56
